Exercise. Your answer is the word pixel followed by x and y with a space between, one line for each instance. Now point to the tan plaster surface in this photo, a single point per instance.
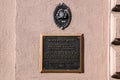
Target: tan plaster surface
pixel 35 17
pixel 23 21
pixel 115 49
pixel 7 39
pixel 117 1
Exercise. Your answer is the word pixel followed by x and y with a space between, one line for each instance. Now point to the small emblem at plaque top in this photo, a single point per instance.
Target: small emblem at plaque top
pixel 62 16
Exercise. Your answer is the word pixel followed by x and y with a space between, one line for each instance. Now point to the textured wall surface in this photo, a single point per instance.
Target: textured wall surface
pixel 114 34
pixel 7 39
pixel 35 17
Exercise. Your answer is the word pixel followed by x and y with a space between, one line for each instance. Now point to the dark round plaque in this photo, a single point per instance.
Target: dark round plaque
pixel 62 16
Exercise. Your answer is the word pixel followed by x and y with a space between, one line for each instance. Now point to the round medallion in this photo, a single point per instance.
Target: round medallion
pixel 62 16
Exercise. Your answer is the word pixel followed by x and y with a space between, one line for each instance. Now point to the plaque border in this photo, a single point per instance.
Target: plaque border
pixel 81 70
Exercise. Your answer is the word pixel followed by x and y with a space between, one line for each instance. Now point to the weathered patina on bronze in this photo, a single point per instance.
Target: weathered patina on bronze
pixel 62 53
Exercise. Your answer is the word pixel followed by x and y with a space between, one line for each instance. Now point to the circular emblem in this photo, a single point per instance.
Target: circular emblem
pixel 62 16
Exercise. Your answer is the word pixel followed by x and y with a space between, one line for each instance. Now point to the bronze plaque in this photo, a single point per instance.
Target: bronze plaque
pixel 61 53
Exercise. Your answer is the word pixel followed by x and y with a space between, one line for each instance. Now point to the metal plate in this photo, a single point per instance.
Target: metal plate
pixel 61 53
pixel 62 16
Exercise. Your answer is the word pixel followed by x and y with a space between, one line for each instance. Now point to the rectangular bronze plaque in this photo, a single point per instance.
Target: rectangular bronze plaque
pixel 61 53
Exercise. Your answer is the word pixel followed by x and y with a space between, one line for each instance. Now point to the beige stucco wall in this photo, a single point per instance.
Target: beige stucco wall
pixel 23 21
pixel 7 39
pixel 35 17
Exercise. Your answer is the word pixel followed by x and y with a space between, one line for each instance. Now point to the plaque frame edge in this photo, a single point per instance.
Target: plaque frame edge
pixel 81 70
